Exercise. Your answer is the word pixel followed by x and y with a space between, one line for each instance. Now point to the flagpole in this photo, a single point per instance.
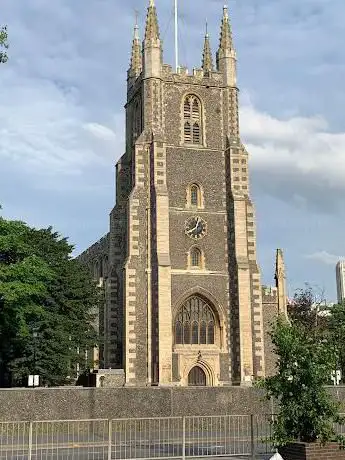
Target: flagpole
pixel 176 35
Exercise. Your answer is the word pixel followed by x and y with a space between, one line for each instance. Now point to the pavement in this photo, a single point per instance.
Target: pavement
pixel 95 446
pixel 99 451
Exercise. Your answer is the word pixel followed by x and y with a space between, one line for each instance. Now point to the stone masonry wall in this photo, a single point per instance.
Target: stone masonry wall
pixel 75 403
pixel 270 313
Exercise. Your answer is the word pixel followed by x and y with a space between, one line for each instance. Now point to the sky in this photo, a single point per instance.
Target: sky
pixel 62 120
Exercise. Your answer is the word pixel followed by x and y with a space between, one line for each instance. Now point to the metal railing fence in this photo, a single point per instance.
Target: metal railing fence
pixel 146 438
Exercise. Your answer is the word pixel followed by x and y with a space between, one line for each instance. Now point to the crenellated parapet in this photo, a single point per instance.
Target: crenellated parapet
pixel 196 76
pixel 147 58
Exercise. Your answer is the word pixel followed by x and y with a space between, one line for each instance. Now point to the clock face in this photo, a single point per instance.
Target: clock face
pixel 195 227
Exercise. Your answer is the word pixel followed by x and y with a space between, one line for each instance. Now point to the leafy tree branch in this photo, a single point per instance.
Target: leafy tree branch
pixel 3 44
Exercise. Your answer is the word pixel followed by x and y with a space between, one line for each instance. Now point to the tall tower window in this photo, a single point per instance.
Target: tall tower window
pixel 195 258
pixel 192 120
pixel 194 196
pixel 137 120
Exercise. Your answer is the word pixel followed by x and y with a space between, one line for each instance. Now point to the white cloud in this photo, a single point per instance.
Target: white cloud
pixel 300 155
pixel 45 134
pixel 324 257
pixel 63 90
pixel 100 131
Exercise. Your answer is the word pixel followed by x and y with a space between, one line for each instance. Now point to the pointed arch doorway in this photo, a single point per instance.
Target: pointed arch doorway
pixel 196 377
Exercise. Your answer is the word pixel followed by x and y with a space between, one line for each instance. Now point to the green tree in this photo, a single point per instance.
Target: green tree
pixel 305 363
pixel 336 321
pixel 307 310
pixel 48 305
pixel 3 44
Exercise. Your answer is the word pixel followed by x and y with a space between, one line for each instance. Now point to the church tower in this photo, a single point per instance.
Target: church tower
pixel 184 296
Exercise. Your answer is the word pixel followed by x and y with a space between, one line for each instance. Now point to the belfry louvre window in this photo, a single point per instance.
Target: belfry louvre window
pixel 192 121
pixel 195 323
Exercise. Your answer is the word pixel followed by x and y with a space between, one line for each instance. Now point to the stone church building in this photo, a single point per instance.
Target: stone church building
pixel 183 303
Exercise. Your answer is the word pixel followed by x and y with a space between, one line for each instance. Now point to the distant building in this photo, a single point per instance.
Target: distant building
pixel 340 274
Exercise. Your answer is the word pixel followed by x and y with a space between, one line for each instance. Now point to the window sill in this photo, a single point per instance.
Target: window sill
pixel 194 207
pixel 187 144
pixel 196 347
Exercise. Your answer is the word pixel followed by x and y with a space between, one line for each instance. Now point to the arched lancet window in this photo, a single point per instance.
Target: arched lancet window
pixel 105 266
pixel 197 321
pixel 137 120
pixel 178 332
pixel 195 258
pixel 187 132
pixel 195 109
pixel 186 332
pixel 196 133
pixel 195 332
pixel 192 123
pixel 203 332
pixel 210 332
pixel 186 108
pixel 96 270
pixel 194 196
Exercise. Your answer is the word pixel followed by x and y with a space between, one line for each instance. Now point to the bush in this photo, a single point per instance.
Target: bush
pixel 304 366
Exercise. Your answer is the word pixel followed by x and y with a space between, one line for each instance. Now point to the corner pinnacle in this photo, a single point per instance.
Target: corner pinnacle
pixel 207 62
pixel 136 58
pixel 225 32
pixel 152 28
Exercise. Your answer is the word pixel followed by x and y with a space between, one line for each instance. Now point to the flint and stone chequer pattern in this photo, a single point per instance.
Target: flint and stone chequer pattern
pixel 160 203
pixel 115 286
pixel 135 305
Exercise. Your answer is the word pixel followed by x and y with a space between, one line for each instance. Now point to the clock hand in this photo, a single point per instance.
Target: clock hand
pixel 197 224
pixel 194 228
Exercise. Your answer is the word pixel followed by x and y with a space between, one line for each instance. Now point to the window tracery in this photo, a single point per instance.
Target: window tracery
pixel 195 322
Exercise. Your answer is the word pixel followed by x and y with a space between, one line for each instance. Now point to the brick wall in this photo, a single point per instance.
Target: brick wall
pixel 314 451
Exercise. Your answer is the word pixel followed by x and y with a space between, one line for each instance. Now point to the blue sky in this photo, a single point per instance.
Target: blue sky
pixel 61 117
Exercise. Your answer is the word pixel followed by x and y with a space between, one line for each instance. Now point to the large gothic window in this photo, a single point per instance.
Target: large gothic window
pixel 195 322
pixel 192 120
